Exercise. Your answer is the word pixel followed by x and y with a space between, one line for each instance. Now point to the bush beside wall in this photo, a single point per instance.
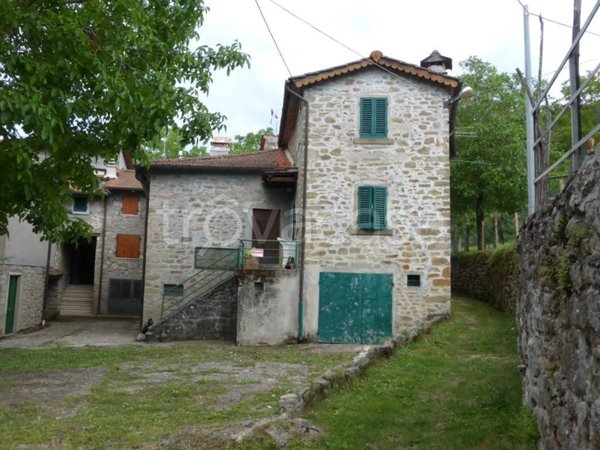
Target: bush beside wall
pixel 488 275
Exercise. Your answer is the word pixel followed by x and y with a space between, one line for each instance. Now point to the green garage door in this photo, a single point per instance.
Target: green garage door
pixel 355 307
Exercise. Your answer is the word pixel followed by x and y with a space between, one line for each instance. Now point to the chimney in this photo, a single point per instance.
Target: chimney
pixel 268 142
pixel 437 63
pixel 219 146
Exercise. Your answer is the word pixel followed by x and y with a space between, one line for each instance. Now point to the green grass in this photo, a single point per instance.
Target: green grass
pixel 454 388
pixel 111 417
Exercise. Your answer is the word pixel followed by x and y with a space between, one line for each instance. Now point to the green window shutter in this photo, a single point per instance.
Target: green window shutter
pixel 380 117
pixel 366 117
pixel 379 207
pixel 365 194
pixel 373 117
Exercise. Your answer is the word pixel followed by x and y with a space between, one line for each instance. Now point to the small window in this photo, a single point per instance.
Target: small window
pixel 128 245
pixel 413 280
pixel 131 205
pixel 80 205
pixel 259 288
pixel 373 117
pixel 172 290
pixel 372 208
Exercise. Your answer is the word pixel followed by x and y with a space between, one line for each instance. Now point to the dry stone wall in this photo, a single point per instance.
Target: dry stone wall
pixel 559 314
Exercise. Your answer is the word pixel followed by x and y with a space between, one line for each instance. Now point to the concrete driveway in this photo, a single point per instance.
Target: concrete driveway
pixel 76 333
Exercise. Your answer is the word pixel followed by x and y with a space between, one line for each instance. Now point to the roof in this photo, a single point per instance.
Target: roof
pixel 125 181
pixel 375 60
pixel 266 160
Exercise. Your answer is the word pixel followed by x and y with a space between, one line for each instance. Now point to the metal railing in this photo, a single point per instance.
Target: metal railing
pixel 269 254
pixel 200 283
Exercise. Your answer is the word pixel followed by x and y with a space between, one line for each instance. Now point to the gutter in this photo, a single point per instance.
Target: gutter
pixel 102 256
pixel 303 229
pixel 143 175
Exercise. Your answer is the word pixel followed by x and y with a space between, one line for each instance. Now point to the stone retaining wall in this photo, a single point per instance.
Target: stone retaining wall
pixel 488 276
pixel 559 314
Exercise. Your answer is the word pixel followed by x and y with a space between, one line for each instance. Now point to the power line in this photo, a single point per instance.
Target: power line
pixel 554 21
pixel 273 38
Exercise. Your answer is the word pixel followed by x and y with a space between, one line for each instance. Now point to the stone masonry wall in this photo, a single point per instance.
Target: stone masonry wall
pixel 559 314
pixel 30 296
pixel 487 275
pixel 414 165
pixel 212 317
pixel 119 223
pixel 201 210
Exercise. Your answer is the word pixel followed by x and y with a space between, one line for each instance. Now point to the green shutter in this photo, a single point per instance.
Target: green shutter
pixel 373 117
pixel 365 194
pixel 366 117
pixel 379 207
pixel 380 119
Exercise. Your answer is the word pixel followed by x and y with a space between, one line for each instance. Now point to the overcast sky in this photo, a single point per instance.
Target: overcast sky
pixel 401 29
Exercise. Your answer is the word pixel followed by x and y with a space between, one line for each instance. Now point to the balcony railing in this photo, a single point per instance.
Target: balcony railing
pixel 269 254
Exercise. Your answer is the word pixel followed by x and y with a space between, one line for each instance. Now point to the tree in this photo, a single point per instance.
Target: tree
pixel 248 143
pixel 169 145
pixel 489 173
pixel 85 78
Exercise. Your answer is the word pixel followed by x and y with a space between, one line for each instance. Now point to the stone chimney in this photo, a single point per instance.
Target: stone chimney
pixel 437 63
pixel 268 142
pixel 219 146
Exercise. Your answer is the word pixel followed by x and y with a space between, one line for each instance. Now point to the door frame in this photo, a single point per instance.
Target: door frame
pixel 15 313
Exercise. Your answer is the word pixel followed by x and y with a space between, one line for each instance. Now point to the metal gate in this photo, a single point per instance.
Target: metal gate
pixel 355 307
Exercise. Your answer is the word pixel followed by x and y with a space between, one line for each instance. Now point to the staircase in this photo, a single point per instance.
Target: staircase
pixel 201 284
pixel 77 300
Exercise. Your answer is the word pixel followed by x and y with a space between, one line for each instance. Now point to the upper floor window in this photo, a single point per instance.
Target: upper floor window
pixel 80 205
pixel 131 204
pixel 372 208
pixel 373 117
pixel 128 246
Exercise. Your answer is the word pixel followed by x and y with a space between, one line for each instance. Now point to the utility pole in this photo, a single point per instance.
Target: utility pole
pixel 529 117
pixel 574 86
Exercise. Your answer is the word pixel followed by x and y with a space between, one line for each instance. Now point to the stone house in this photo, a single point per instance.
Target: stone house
pixel 346 220
pixel 103 276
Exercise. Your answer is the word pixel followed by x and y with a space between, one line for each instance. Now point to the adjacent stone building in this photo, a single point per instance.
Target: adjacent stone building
pixel 99 276
pixel 360 187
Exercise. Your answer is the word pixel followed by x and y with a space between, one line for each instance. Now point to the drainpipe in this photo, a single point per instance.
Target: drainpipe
pixel 143 176
pixel 303 219
pixel 102 256
pixel 46 280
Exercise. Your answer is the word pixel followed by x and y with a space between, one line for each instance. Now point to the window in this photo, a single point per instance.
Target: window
pixel 373 117
pixel 80 205
pixel 131 204
pixel 128 245
pixel 172 290
pixel 413 280
pixel 372 208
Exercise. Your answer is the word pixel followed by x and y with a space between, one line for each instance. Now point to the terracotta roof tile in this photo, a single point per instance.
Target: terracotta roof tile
pixel 265 160
pixel 376 59
pixel 125 180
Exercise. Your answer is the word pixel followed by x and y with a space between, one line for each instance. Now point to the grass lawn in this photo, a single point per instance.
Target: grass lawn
pixel 145 396
pixel 454 388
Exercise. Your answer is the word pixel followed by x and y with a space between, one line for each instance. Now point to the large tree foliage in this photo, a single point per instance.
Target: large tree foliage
pixel 80 78
pixel 489 173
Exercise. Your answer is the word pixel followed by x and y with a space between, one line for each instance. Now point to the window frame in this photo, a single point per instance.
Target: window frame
pixel 370 109
pixel 87 204
pixel 372 208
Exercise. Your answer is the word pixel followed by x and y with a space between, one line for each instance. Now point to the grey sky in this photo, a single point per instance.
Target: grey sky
pixel 405 30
